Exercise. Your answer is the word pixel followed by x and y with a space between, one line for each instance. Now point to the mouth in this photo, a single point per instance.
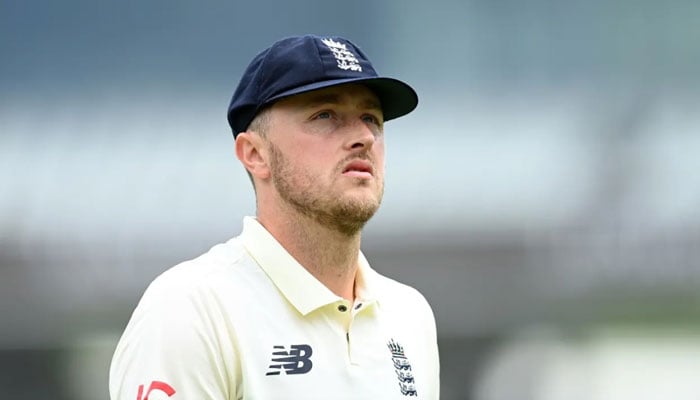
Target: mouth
pixel 359 169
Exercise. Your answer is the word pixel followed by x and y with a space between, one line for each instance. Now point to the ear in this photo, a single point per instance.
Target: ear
pixel 252 152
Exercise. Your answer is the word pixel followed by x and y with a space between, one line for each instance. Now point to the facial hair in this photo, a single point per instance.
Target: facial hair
pixel 301 190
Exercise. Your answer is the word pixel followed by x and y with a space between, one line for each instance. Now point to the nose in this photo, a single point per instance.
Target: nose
pixel 361 136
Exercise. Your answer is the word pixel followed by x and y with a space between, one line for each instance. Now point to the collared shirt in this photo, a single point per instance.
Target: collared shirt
pixel 247 321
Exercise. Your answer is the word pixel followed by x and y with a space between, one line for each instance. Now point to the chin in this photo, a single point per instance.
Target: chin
pixel 361 209
pixel 349 219
pixel 347 213
pixel 370 201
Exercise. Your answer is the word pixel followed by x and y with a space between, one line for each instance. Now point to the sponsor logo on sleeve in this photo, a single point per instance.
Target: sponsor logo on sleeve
pixel 154 386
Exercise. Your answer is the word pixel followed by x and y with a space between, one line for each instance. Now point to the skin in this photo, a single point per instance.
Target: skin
pixel 318 171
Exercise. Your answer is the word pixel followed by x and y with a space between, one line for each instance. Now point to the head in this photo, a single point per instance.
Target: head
pixel 308 119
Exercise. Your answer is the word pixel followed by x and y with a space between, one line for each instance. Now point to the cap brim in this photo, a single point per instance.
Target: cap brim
pixel 397 98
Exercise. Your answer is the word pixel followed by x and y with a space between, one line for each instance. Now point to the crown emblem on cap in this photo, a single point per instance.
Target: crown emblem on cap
pixel 345 58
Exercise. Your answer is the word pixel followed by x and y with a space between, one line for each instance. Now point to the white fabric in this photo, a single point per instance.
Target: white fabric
pixel 208 328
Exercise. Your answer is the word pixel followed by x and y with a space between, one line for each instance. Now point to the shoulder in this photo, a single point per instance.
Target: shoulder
pixel 182 306
pixel 200 276
pixel 400 296
pixel 175 326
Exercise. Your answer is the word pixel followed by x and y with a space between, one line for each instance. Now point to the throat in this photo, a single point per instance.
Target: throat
pixel 330 256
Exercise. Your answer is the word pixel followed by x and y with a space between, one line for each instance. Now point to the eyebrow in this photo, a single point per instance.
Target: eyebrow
pixel 332 98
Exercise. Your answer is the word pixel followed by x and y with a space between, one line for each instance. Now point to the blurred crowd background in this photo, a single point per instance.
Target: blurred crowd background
pixel 544 196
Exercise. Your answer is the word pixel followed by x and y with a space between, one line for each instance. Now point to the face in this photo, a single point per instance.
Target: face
pixel 327 155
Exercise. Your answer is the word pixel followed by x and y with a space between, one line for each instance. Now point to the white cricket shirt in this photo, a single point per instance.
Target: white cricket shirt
pixel 246 321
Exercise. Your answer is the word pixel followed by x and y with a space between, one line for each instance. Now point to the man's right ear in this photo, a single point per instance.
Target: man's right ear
pixel 252 152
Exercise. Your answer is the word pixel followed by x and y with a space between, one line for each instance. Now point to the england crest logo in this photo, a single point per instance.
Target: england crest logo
pixel 345 58
pixel 403 370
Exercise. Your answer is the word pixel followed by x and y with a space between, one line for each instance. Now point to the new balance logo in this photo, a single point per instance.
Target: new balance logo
pixel 295 361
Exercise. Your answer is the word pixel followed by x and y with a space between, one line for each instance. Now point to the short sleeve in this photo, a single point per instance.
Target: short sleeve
pixel 433 354
pixel 174 347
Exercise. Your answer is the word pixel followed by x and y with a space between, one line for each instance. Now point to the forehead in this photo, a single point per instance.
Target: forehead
pixel 352 94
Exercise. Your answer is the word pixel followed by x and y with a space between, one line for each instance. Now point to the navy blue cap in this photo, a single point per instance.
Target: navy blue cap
pixel 304 63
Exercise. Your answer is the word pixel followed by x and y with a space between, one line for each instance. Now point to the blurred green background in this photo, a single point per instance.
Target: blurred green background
pixel 544 196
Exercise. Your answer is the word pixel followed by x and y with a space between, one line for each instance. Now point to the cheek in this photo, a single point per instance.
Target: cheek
pixel 314 167
pixel 379 155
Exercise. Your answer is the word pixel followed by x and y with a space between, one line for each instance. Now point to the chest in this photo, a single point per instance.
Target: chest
pixel 363 353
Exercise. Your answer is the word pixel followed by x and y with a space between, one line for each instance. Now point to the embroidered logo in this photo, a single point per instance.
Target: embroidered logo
pixel 403 369
pixel 295 361
pixel 345 58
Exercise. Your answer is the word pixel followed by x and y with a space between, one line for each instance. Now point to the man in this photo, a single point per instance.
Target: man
pixel 291 309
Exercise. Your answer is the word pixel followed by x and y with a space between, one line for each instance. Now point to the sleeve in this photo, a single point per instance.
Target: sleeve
pixel 174 347
pixel 430 390
pixel 433 354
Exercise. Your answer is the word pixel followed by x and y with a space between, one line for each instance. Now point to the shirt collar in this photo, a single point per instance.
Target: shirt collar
pixel 302 290
pixel 366 282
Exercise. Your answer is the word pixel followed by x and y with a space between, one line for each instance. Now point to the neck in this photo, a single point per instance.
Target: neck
pixel 329 255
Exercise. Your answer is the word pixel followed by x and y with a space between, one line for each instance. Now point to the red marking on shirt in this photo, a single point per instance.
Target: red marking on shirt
pixel 155 385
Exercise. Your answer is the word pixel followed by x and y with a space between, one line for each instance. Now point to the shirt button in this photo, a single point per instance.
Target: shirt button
pixel 342 308
pixel 357 307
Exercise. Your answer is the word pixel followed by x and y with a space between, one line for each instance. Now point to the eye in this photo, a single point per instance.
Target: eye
pixel 369 118
pixel 323 115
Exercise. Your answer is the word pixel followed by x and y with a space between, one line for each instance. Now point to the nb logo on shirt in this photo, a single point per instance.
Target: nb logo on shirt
pixel 295 361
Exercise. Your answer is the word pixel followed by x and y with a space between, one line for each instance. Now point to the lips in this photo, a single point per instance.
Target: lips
pixel 359 168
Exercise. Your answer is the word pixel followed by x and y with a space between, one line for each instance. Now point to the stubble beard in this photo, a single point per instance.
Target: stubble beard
pixel 296 187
